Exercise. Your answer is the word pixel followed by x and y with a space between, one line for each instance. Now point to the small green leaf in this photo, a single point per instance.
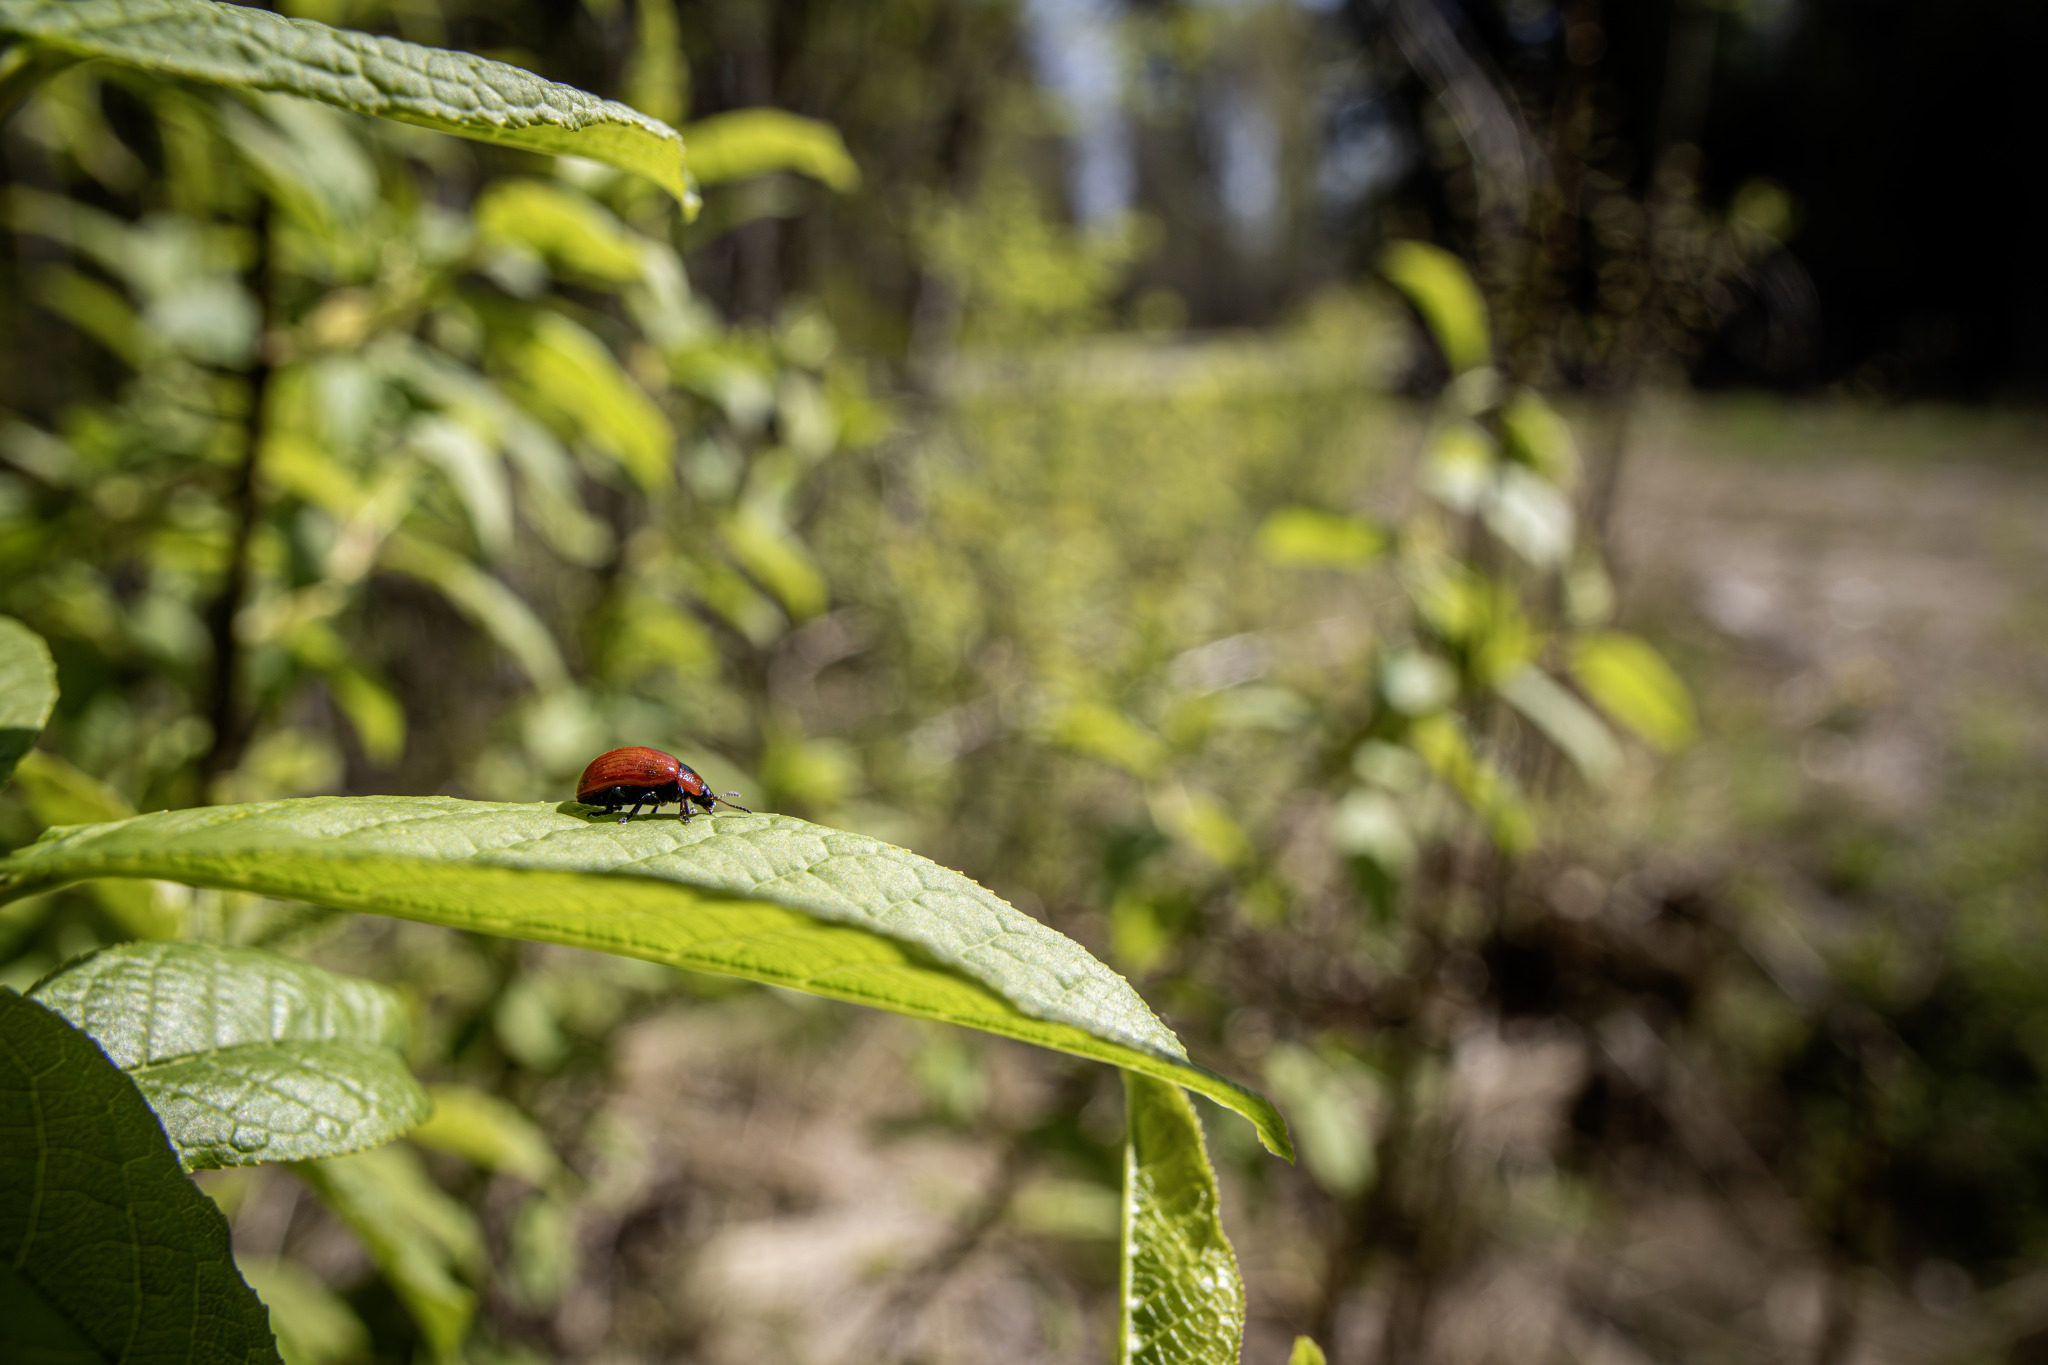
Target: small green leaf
pixel 424 1242
pixel 1631 682
pixel 247 1056
pixel 749 142
pixel 487 1132
pixel 1564 720
pixel 1441 289
pixel 1539 438
pixel 765 897
pixel 1306 537
pixel 107 1251
pixel 569 229
pixel 1306 1352
pixel 28 692
pixel 454 92
pixel 1181 1295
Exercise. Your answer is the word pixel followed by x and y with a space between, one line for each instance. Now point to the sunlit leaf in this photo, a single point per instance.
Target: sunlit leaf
pixel 778 560
pixel 1181 1295
pixel 1459 466
pixel 487 1132
pixel 1539 438
pixel 1492 795
pixel 571 373
pixel 1103 732
pixel 761 896
pixel 28 692
pixel 1565 720
pixel 246 1056
pixel 1441 289
pixel 1306 1352
pixel 567 228
pixel 1532 516
pixel 1306 537
pixel 451 91
pixel 425 1244
pixel 1631 682
pixel 107 1251
pixel 749 142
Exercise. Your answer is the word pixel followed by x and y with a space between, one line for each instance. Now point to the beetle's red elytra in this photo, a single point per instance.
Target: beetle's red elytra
pixel 638 776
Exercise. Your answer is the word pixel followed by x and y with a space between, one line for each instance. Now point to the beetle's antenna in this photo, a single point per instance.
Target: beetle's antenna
pixel 720 796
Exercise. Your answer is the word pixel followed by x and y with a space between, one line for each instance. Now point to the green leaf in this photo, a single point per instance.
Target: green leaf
pixel 28 692
pixel 1565 721
pixel 314 1325
pixel 454 92
pixel 1306 537
pixel 500 612
pixel 765 897
pixel 107 1251
pixel 569 229
pixel 1441 289
pixel 569 372
pixel 488 1132
pixel 1306 1352
pixel 1630 681
pixel 247 1056
pixel 423 1241
pixel 1181 1295
pixel 750 142
pixel 59 794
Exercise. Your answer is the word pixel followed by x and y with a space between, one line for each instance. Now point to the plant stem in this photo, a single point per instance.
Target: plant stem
pixel 224 708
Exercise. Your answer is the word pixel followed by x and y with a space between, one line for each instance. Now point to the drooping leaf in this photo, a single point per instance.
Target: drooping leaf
pixel 748 142
pixel 1441 289
pixel 245 1055
pixel 1631 682
pixel 454 92
pixel 766 897
pixel 107 1251
pixel 487 1132
pixel 424 1242
pixel 1181 1294
pixel 28 692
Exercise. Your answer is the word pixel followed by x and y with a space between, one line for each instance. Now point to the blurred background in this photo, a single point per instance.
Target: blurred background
pixel 1567 725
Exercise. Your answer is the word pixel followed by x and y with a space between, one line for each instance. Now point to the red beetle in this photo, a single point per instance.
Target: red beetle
pixel 637 776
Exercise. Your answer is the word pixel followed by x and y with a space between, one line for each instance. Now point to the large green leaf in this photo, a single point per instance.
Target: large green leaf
pixel 1182 1296
pixel 107 1252
pixel 247 1056
pixel 761 896
pixel 452 91
pixel 28 692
